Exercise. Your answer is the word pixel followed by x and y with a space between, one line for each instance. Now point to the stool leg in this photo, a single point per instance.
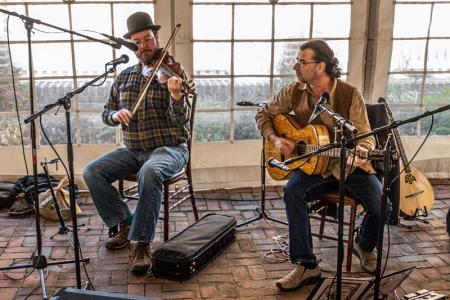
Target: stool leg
pixel 166 213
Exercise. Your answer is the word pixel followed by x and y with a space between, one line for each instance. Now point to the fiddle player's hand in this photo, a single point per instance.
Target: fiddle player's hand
pixel 175 86
pixel 122 116
pixel 283 145
pixel 358 162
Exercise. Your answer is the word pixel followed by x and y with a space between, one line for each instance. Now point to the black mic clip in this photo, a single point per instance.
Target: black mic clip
pixel 318 109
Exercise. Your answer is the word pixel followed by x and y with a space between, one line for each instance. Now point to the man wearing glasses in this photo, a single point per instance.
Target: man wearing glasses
pixel 318 72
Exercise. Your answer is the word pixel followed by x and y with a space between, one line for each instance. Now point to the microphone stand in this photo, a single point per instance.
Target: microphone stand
pixel 262 209
pixel 386 159
pixel 39 260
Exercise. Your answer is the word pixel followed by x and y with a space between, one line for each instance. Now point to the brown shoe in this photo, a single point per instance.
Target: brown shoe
pixel 298 277
pixel 120 240
pixel 141 262
pixel 367 259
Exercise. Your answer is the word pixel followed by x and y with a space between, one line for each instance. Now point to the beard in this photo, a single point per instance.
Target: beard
pixel 147 57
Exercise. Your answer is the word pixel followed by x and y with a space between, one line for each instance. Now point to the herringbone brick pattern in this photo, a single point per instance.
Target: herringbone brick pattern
pixel 242 271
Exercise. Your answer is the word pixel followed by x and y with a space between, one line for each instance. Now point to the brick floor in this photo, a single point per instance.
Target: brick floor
pixel 241 271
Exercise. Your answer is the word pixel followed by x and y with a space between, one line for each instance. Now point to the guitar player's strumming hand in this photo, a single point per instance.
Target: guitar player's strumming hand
pixel 283 145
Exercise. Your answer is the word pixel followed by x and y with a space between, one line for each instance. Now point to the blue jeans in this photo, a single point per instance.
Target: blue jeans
pixel 302 189
pixel 152 168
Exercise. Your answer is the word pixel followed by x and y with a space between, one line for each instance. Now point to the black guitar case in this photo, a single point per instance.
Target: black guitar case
pixel 185 254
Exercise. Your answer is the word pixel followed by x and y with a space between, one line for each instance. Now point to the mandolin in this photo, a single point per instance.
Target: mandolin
pixel 416 192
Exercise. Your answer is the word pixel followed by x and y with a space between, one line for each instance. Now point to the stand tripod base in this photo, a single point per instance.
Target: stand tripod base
pixel 262 215
pixel 53 263
pixel 358 288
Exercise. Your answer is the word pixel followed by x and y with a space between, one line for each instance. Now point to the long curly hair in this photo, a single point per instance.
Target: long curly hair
pixel 323 53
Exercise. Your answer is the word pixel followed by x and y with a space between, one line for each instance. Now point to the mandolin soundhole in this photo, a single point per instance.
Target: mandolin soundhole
pixel 300 148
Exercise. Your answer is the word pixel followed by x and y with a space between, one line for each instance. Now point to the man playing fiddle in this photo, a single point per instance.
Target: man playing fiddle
pixel 155 146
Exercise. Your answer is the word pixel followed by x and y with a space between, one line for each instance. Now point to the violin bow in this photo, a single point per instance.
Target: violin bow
pixel 153 73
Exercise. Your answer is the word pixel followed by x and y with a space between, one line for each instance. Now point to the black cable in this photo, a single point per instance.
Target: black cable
pixel 15 97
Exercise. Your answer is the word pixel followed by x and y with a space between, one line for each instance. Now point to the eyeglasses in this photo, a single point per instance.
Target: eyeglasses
pixel 303 62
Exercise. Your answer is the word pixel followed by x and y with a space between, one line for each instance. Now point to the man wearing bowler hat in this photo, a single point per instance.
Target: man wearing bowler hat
pixel 155 146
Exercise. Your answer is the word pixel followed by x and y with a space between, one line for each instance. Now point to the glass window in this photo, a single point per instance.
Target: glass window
pixel 54 56
pixel 419 77
pixel 249 55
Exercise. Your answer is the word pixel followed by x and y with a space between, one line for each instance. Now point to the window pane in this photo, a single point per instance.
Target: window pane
pixel 252 58
pixel 49 91
pixel 90 58
pixel 437 89
pixel 213 93
pixel 56 129
pixel 10 132
pixel 403 113
pixel 245 127
pixel 212 126
pixel 284 14
pixel 212 22
pixel 439 24
pixel 212 58
pixel 284 57
pixel 57 64
pixel 19 55
pixel 16 27
pixel 87 16
pixel 253 22
pixel 441 123
pixel 94 97
pixel 322 28
pixel 404 89
pixel 411 20
pixel 280 82
pixel 93 131
pixel 123 11
pixel 7 103
pixel 54 14
pixel 254 90
pixel 408 55
pixel 439 55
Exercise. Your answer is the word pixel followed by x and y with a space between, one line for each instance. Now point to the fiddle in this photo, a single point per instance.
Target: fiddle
pixel 169 68
pixel 166 67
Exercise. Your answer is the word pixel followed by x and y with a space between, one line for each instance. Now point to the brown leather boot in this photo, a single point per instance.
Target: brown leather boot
pixel 120 240
pixel 141 262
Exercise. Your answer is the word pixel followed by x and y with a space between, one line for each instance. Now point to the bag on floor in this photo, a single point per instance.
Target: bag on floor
pixel 47 207
pixel 7 194
pixel 182 256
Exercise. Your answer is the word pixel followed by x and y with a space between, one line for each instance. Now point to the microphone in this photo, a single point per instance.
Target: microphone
pixel 318 108
pixel 248 103
pixel 122 42
pixel 123 59
pixel 279 165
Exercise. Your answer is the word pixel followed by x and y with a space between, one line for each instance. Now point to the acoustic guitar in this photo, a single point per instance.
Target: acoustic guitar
pixel 416 192
pixel 307 139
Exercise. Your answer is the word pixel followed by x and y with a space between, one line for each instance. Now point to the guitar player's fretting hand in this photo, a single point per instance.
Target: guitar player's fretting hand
pixel 358 162
pixel 283 145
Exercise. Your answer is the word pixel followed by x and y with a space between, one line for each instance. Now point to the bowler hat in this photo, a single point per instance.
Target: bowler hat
pixel 139 21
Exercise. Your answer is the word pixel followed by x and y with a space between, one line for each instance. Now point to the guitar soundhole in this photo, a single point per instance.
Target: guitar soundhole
pixel 300 148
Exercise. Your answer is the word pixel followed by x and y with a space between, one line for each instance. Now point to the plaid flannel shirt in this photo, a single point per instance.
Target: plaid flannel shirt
pixel 159 121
